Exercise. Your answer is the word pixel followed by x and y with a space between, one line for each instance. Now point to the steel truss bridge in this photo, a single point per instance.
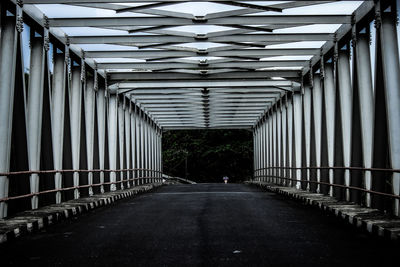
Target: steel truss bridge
pixel 84 99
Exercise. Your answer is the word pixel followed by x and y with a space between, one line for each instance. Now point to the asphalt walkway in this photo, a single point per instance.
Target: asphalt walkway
pixel 201 225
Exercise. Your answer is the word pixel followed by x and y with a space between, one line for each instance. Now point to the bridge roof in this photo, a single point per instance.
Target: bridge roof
pixel 204 64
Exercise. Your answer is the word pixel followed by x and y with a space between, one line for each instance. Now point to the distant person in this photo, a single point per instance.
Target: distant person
pixel 225 178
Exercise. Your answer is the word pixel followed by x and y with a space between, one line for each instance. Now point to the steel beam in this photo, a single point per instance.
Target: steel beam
pixel 243 20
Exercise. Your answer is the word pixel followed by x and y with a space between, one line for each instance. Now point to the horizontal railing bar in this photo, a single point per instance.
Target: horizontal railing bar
pixel 71 171
pixel 333 168
pixel 334 185
pixel 71 188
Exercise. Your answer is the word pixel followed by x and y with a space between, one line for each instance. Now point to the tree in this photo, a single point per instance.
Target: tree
pixel 210 154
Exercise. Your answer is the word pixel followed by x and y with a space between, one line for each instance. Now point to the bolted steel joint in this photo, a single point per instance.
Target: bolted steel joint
pixel 19 23
pixel 46 22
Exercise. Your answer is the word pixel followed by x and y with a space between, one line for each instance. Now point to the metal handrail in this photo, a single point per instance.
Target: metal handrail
pixel 73 187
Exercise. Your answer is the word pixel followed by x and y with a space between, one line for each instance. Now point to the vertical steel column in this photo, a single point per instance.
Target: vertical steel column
pixel 90 96
pixel 270 147
pixel 287 141
pixel 265 163
pixel 258 150
pixel 101 132
pixel 283 139
pixel 146 147
pixel 278 124
pixel 75 102
pixel 260 156
pixel 254 156
pixel 345 98
pixel 289 114
pixel 151 150
pixel 366 104
pixel 391 76
pixel 160 167
pixel 8 57
pixel 317 108
pixel 312 149
pixel 128 151
pixel 57 109
pixel 264 147
pixel 297 136
pixel 306 137
pixel 142 145
pixel 134 141
pixel 112 137
pixel 329 101
pixel 121 139
pixel 158 152
pixel 138 144
pixel 154 151
pixel 34 113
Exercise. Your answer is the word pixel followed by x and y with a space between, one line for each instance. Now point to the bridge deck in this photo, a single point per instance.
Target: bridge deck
pixel 201 225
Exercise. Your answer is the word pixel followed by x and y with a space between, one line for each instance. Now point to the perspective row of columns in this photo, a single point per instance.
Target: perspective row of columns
pixel 342 117
pixel 65 118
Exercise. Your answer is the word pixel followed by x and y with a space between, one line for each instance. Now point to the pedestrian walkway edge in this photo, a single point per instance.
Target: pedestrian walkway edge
pixel 369 219
pixel 33 220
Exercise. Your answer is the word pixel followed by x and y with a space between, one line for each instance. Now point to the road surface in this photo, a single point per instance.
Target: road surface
pixel 201 225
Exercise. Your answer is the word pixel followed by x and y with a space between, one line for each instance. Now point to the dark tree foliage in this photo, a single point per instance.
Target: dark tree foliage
pixel 211 154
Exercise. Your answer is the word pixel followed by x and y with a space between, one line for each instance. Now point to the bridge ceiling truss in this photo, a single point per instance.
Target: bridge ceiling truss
pixel 205 64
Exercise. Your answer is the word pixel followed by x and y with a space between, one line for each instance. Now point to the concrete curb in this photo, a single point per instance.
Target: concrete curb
pixel 34 220
pixel 371 220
